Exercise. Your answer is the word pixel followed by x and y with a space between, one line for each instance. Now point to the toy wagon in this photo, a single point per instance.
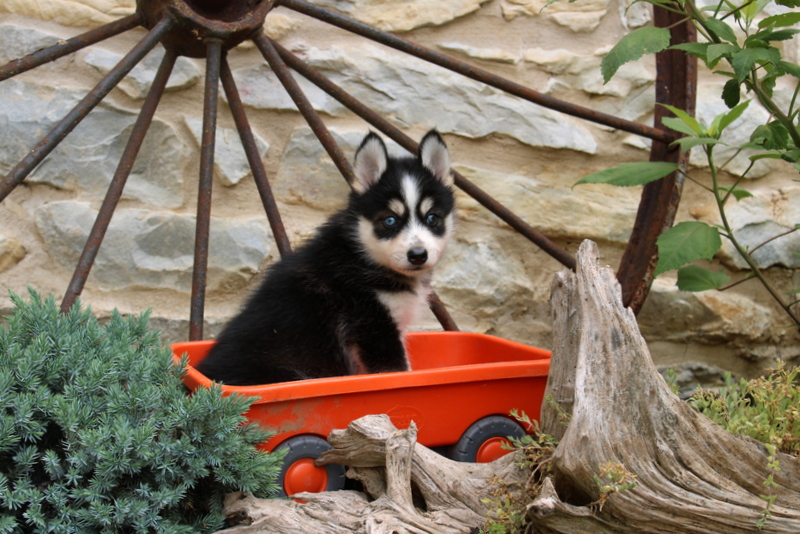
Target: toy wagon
pixel 459 394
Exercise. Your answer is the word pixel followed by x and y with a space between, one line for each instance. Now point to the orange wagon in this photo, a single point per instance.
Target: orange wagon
pixel 459 394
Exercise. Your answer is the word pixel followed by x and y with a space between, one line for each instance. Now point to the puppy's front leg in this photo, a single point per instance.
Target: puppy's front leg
pixel 380 350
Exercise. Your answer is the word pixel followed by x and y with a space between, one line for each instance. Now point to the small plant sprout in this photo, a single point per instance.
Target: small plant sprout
pixel 612 479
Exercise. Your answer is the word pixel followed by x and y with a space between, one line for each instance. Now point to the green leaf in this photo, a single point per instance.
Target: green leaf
pixel 647 40
pixel 790 68
pixel 774 35
pixel 679 126
pixel 720 29
pixel 630 174
pixel 695 278
pixel 772 136
pixel 788 3
pixel 717 51
pixel 731 94
pixel 687 119
pixel 737 192
pixel 684 243
pixel 698 50
pixel 732 115
pixel 687 143
pixel 785 19
pixel 752 9
pixel 744 60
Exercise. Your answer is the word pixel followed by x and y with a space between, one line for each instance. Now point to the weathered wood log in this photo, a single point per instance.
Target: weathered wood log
pixel 691 475
pixel 408 489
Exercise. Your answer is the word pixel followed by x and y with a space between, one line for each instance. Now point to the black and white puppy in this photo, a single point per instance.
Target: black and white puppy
pixel 341 303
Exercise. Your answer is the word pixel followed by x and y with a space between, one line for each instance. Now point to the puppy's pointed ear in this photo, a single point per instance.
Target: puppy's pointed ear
pixel 434 156
pixel 370 163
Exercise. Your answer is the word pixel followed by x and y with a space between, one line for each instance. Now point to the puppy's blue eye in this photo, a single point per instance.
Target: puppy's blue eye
pixel 431 219
pixel 390 221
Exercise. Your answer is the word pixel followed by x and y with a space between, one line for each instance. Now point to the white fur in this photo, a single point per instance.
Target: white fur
pixel 370 163
pixel 406 307
pixel 436 158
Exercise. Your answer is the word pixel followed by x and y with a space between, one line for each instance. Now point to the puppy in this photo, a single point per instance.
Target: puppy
pixel 341 303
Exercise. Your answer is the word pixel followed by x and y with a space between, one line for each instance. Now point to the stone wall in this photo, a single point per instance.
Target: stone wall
pixel 526 156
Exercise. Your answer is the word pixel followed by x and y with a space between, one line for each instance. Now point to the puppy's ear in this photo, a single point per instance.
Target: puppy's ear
pixel 370 163
pixel 434 156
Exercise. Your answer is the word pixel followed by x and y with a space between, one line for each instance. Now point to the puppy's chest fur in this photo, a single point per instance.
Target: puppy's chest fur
pixel 405 307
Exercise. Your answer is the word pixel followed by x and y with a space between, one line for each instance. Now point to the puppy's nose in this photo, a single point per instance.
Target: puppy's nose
pixel 417 256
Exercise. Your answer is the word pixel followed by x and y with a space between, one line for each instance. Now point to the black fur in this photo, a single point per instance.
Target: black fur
pixel 320 303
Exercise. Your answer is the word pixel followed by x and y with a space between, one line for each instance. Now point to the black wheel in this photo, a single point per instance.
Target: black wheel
pixel 482 441
pixel 299 473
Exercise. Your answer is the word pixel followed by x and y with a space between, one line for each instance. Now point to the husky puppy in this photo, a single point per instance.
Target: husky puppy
pixel 340 304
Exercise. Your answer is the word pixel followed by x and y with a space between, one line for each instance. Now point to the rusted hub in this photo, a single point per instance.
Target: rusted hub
pixel 197 21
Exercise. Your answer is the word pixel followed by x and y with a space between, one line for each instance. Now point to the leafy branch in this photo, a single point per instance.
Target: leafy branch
pixel 752 65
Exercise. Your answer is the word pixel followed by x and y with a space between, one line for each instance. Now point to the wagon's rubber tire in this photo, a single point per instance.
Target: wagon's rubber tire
pixel 482 441
pixel 299 473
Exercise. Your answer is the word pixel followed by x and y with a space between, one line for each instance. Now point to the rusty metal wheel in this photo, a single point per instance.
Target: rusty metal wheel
pixel 209 28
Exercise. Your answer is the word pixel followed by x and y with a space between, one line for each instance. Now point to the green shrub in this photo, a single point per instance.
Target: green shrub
pixel 97 433
pixel 766 409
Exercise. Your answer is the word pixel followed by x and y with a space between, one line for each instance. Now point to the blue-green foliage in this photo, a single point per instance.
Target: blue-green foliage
pixel 97 433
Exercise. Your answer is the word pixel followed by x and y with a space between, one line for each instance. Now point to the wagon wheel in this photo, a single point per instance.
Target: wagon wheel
pixel 298 472
pixel 208 28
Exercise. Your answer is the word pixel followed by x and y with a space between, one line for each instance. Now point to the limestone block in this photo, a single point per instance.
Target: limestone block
pixel 582 71
pixel 278 25
pixel 11 252
pixel 307 174
pixel 78 13
pixel 561 61
pixel 759 218
pixel 603 213
pixel 230 161
pixel 137 83
pixel 580 22
pixel 412 92
pixel 707 317
pixel 689 376
pixel 87 158
pixel 403 15
pixel 634 14
pixel 579 16
pixel 478 275
pixel 259 88
pixel 19 41
pixel 497 55
pixel 148 249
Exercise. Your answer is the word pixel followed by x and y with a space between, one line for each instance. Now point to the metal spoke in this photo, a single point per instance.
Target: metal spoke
pixel 409 144
pixel 62 48
pixel 256 165
pixel 312 118
pixel 114 192
pixel 475 73
pixel 200 271
pixel 80 111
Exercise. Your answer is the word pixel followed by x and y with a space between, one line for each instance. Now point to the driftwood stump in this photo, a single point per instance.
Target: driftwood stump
pixel 692 476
